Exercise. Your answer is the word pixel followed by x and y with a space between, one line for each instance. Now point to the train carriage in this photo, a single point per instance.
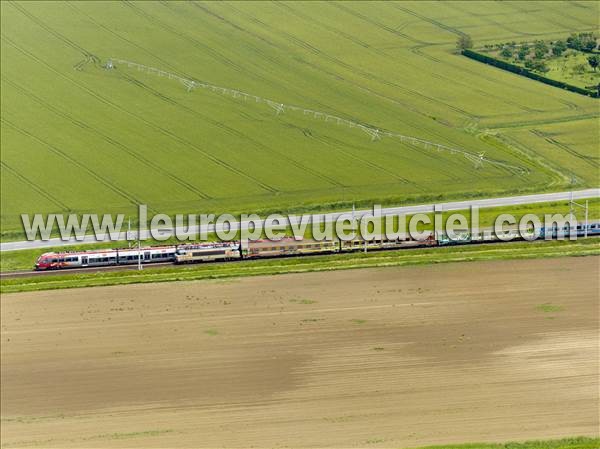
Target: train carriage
pixel 103 258
pixel 383 242
pixel 287 246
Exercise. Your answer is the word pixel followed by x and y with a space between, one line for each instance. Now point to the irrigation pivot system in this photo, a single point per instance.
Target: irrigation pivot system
pixel 477 159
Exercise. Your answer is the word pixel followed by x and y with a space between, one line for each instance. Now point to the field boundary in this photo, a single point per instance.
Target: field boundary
pixel 527 73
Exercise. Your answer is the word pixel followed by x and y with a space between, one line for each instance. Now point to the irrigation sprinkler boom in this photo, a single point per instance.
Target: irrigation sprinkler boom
pixel 375 133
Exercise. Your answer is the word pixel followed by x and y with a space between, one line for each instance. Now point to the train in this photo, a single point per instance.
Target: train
pixel 285 247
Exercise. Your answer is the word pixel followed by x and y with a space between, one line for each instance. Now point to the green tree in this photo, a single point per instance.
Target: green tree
pixel 540 49
pixel 589 45
pixel 582 41
pixel 506 52
pixel 522 55
pixel 588 41
pixel 593 61
pixel 574 41
pixel 558 48
pixel 537 65
pixel 464 42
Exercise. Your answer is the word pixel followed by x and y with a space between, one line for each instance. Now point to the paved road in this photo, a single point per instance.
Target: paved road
pixel 424 208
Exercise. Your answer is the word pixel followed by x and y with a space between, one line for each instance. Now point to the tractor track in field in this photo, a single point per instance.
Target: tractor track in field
pixel 254 49
pixel 87 54
pixel 115 188
pixel 352 69
pixel 205 118
pixel 231 131
pixel 380 25
pixel 564 12
pixel 562 175
pixel 176 71
pixel 262 54
pixel 355 71
pixel 417 49
pixel 502 26
pixel 353 39
pixel 150 124
pixel 194 42
pixel 50 30
pixel 34 186
pixel 316 102
pixel 254 35
pixel 437 23
pixel 364 126
pixel 83 125
pixel 590 160
pixel 154 126
pixel 338 146
pixel 542 122
pixel 124 39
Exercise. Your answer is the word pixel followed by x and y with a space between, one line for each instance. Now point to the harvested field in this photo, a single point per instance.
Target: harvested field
pixel 393 357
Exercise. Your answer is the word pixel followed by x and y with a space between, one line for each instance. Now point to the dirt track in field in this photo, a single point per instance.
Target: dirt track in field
pixel 392 357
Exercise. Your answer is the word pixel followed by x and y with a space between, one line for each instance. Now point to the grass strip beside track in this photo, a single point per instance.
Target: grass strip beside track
pixel 505 251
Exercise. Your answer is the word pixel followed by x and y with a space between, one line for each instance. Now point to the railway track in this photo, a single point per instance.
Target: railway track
pixel 133 267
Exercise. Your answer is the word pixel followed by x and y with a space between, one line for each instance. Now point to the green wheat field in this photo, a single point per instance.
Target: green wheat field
pixel 78 137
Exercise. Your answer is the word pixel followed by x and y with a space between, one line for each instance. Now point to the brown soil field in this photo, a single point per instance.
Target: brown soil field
pixel 393 357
